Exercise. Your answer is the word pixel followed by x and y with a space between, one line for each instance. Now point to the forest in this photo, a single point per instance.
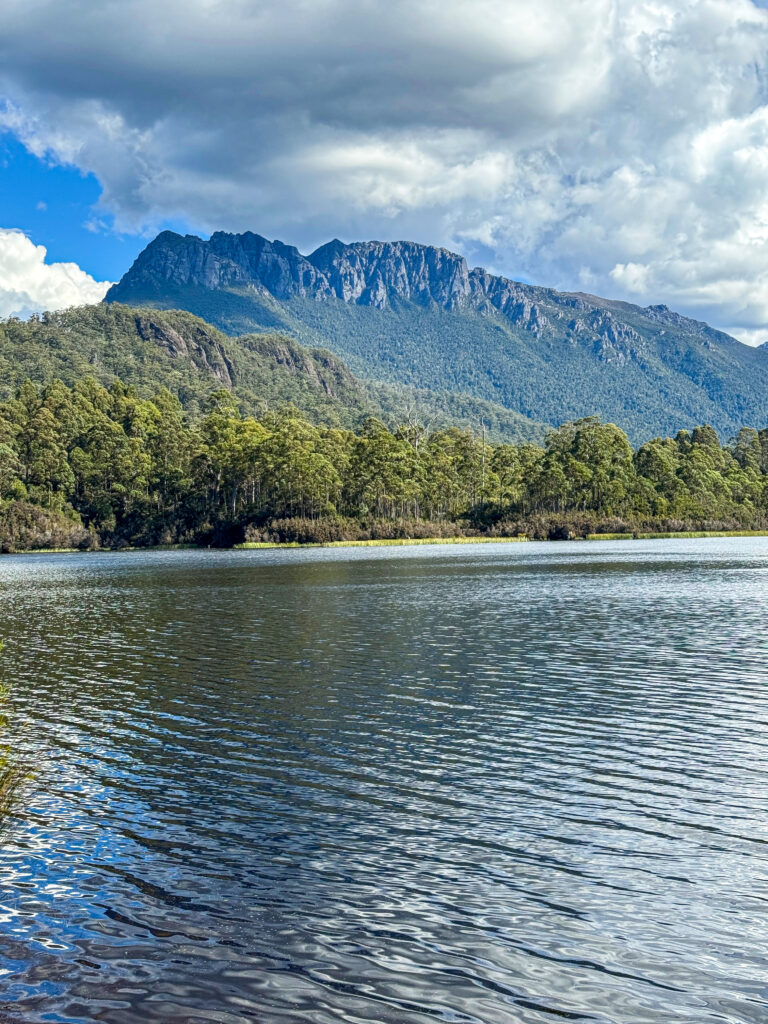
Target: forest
pixel 150 348
pixel 91 466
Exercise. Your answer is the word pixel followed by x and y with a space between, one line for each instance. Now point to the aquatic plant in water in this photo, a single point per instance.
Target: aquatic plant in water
pixel 13 772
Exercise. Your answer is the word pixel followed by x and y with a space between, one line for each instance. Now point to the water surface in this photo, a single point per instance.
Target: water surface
pixel 493 783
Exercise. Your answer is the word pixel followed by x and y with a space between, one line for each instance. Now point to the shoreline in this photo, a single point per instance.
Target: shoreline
pixel 407 541
pixel 402 542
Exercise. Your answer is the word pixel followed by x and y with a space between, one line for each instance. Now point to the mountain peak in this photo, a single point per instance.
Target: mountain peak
pixel 384 274
pixel 379 273
pixel 416 315
pixel 225 261
pixel 370 273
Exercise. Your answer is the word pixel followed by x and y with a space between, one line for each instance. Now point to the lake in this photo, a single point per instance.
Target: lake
pixel 497 783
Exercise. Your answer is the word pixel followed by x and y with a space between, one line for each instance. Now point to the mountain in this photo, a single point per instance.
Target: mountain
pixel 416 315
pixel 149 349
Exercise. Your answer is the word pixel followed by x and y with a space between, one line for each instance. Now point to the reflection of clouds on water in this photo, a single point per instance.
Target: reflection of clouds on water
pixel 489 786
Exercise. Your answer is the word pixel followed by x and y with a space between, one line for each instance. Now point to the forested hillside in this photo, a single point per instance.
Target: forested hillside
pixel 89 466
pixel 147 348
pixel 416 315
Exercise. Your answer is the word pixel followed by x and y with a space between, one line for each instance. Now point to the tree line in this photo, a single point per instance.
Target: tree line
pixel 89 465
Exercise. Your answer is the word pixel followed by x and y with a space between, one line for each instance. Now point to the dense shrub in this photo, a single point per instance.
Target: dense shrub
pixel 24 526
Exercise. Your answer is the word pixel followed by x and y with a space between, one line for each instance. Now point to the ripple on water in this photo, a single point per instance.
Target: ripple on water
pixel 509 784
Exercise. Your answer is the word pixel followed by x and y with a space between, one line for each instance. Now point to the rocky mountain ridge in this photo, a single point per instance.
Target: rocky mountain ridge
pixel 416 315
pixel 383 274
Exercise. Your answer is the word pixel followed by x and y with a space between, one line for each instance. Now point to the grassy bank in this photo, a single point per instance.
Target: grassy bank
pixel 680 535
pixel 383 543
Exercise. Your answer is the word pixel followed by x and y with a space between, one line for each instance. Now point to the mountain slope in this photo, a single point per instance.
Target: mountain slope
pixel 150 349
pixel 417 315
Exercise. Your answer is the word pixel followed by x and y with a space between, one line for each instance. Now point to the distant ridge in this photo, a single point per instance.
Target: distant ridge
pixel 417 315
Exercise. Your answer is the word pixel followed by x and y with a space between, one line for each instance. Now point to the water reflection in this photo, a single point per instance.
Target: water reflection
pixel 499 784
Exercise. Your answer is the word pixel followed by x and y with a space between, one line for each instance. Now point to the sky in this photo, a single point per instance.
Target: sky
pixel 612 146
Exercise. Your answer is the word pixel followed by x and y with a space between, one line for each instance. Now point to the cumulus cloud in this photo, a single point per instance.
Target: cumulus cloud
pixel 29 285
pixel 620 146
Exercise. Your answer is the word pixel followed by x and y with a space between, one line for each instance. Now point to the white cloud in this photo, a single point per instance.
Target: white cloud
pixel 28 284
pixel 756 337
pixel 616 144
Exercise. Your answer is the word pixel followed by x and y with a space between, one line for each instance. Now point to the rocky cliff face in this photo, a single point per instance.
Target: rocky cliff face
pixel 375 273
pixel 364 273
pixel 224 261
pixel 196 344
pixel 382 274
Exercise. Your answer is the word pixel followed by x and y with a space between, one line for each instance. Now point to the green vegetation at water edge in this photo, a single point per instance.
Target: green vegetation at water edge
pixel 381 543
pixel 678 535
pixel 12 772
pixel 91 466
